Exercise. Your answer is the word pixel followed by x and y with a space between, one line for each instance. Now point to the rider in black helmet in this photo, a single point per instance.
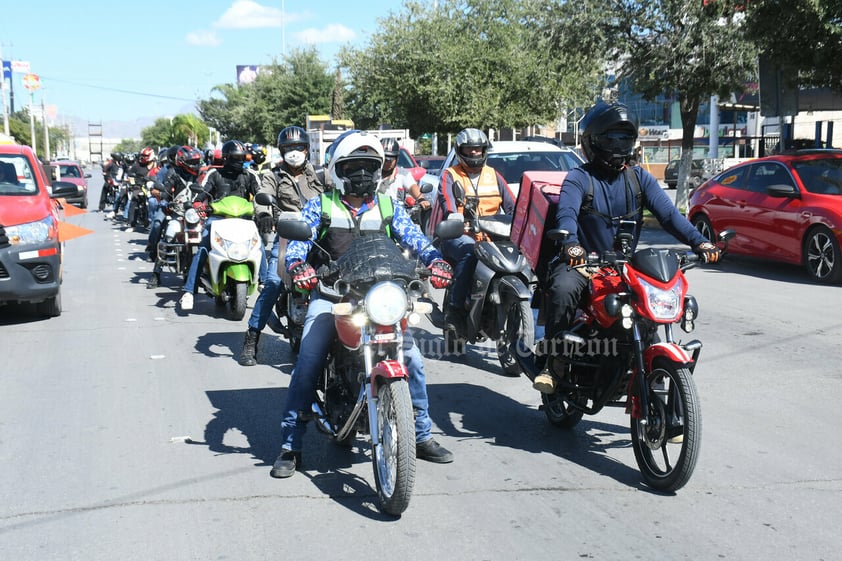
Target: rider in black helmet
pixel 599 200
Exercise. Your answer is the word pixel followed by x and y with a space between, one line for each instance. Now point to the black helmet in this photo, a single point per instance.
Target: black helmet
pixel 293 136
pixel 188 159
pixel 258 153
pixel 609 135
pixel 117 156
pixel 130 158
pixel 472 138
pixel 233 154
pixel 391 148
pixel 171 152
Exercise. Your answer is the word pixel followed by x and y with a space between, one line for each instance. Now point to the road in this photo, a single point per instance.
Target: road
pixel 128 431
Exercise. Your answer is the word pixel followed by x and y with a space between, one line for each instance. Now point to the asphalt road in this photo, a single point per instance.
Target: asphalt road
pixel 128 431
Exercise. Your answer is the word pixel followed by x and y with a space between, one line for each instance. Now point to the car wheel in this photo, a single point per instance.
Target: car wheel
pixel 695 182
pixel 702 224
pixel 822 258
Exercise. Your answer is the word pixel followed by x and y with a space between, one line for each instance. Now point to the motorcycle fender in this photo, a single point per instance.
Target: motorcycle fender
pixel 387 369
pixel 514 286
pixel 670 351
pixel 239 272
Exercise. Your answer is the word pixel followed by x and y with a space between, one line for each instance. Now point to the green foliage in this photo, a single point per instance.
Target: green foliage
pixel 479 63
pixel 129 146
pixel 805 35
pixel 180 130
pixel 282 95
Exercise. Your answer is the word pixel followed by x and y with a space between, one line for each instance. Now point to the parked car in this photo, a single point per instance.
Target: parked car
pixel 431 164
pixel 30 249
pixel 786 207
pixel 513 157
pixel 407 160
pixel 697 171
pixel 72 172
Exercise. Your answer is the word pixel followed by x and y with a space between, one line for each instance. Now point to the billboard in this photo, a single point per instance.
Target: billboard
pixel 247 73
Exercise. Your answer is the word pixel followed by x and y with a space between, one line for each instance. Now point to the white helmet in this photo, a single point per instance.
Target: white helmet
pixel 355 164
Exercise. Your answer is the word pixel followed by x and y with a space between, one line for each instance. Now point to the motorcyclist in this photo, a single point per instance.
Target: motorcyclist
pixel 599 200
pixel 229 180
pixel 184 170
pixel 292 182
pixel 473 188
pixel 121 200
pixel 112 175
pixel 355 209
pixel 257 158
pixel 142 170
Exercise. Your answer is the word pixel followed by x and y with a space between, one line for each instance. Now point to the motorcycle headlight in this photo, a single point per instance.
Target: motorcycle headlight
pixel 32 232
pixel 191 216
pixel 386 303
pixel 238 250
pixel 663 304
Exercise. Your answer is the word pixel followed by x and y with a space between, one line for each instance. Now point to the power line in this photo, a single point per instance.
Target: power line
pixel 118 90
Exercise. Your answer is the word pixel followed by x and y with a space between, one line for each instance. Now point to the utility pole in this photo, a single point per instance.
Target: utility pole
pixel 46 127
pixel 3 93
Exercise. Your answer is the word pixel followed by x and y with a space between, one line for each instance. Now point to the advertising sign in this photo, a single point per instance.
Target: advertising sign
pixel 31 82
pixel 20 66
pixel 246 74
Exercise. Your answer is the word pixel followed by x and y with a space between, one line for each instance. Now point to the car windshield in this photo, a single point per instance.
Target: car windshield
pixel 404 160
pixel 16 177
pixel 821 176
pixel 512 166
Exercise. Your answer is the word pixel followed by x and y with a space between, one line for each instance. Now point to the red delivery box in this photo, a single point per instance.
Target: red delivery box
pixel 535 213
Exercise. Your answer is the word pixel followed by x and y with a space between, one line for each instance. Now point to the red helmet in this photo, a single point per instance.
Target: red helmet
pixel 189 160
pixel 146 156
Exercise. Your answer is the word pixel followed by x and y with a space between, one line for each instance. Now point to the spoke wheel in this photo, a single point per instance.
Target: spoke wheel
pixel 667 439
pixel 394 457
pixel 821 256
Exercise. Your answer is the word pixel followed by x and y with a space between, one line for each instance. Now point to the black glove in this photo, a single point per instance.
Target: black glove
pixel 574 254
pixel 708 252
pixel 265 222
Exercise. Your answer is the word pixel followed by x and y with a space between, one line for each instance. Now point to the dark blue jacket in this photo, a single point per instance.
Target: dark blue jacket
pixel 612 197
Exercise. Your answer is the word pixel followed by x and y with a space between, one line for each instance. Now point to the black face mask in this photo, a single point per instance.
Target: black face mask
pixel 360 177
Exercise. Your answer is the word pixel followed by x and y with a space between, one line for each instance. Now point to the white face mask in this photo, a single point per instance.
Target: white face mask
pixel 295 158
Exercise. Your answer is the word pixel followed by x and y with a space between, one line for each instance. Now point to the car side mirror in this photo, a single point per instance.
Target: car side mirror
pixel 782 191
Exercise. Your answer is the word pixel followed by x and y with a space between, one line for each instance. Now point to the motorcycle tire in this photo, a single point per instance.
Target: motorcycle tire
pixel 559 412
pixel 666 447
pixel 394 458
pixel 519 336
pixel 237 300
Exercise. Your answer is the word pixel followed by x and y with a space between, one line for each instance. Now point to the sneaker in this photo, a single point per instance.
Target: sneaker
pixel 186 302
pixel 286 464
pixel 154 281
pixel 432 451
pixel 679 439
pixel 544 382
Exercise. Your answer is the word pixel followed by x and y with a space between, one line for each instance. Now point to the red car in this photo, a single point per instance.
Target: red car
pixel 786 208
pixel 30 250
pixel 406 160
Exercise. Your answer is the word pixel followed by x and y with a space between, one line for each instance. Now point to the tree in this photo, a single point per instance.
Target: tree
pixel 682 47
pixel 229 110
pixel 803 35
pixel 479 63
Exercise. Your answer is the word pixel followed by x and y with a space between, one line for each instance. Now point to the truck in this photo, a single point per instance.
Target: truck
pixel 323 130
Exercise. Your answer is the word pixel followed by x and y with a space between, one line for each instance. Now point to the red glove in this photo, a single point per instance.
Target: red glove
pixel 303 276
pixel 409 201
pixel 441 273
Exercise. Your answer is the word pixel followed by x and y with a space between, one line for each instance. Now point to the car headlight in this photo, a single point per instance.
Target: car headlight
pixel 386 303
pixel 32 232
pixel 663 304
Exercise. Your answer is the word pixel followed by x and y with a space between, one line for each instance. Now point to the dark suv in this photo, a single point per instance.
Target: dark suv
pixel 696 172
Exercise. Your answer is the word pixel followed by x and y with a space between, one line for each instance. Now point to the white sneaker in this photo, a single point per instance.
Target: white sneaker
pixel 186 301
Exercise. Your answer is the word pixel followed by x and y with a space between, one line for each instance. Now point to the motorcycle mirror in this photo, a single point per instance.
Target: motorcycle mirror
pixel 265 199
pixel 557 235
pixel 726 235
pixel 427 188
pixel 290 226
pixel 451 228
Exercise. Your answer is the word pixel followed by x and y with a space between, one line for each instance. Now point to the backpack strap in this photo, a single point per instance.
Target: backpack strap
pixel 631 211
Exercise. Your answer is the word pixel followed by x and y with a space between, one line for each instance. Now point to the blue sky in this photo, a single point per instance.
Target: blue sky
pixel 117 60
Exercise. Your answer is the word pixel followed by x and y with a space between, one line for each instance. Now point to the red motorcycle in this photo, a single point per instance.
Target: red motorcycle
pixel 612 356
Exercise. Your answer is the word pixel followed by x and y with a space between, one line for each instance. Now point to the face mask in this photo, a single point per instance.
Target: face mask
pixel 295 158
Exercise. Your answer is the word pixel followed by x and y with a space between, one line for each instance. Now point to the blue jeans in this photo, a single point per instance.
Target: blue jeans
pixel 460 253
pixel 272 287
pixel 198 263
pixel 319 333
pixel 156 226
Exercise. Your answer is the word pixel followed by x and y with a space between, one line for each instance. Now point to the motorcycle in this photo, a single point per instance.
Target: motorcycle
pixel 138 213
pixel 499 307
pixel 181 232
pixel 612 356
pixel 110 187
pixel 233 263
pixel 363 388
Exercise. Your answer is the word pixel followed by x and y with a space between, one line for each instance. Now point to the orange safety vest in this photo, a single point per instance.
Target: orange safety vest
pixel 487 190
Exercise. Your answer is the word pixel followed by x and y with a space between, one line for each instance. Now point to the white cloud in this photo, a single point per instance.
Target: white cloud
pixel 246 14
pixel 333 33
pixel 203 39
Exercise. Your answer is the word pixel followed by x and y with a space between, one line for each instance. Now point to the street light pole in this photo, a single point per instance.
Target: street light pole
pixel 3 93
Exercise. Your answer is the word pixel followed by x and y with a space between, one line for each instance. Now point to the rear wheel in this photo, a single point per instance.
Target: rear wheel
pixel 394 457
pixel 666 446
pixel 821 256
pixel 237 299
pixel 519 336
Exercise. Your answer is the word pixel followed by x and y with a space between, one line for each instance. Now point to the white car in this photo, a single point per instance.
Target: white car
pixel 513 157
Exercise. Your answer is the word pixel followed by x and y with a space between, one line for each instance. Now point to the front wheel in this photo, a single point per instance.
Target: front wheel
pixel 704 227
pixel 519 336
pixel 236 302
pixel 666 446
pixel 394 457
